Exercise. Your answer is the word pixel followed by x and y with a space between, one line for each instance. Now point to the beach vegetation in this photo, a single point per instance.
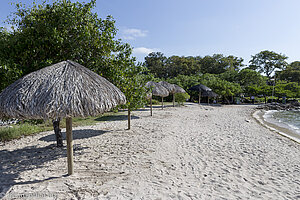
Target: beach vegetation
pixel 181 98
pixel 30 127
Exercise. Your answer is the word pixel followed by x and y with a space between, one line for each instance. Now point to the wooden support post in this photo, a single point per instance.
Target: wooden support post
pixel 162 103
pixel 129 119
pixel 151 106
pixel 69 145
pixel 173 99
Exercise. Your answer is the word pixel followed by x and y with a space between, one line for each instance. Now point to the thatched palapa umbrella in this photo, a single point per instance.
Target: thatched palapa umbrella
pixel 200 88
pixel 209 94
pixel 170 87
pixel 157 90
pixel 173 89
pixel 65 90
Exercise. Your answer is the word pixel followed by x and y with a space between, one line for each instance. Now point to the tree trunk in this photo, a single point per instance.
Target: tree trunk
pixel 199 98
pixel 129 119
pixel 151 106
pixel 265 99
pixel 173 99
pixel 69 145
pixel 57 131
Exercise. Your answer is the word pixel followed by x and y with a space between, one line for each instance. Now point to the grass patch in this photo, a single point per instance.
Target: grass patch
pixel 17 131
pixel 29 128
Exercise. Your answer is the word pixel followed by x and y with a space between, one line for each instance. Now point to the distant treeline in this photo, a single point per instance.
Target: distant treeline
pixel 268 73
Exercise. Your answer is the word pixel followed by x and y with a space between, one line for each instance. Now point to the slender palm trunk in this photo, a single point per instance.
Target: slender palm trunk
pixel 129 117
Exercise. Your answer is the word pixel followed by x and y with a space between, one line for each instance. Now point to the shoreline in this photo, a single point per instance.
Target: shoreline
pixel 285 132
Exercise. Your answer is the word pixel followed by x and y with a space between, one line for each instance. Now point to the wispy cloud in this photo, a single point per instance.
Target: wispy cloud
pixel 133 33
pixel 143 50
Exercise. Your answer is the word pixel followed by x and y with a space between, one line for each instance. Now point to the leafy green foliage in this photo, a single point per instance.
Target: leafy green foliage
pixel 218 64
pixel 267 61
pixel 220 86
pixel 163 67
pixel 291 73
pixel 49 33
pixel 289 90
pixel 181 97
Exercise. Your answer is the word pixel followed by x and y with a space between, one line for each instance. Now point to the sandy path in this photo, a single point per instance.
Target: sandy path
pixel 190 152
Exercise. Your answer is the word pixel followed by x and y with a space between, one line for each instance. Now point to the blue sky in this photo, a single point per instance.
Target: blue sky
pixel 202 27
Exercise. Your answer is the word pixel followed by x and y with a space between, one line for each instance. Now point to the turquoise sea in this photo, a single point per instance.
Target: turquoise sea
pixel 286 119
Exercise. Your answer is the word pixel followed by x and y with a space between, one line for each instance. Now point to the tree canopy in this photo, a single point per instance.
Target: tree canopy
pixel 44 34
pixel 267 61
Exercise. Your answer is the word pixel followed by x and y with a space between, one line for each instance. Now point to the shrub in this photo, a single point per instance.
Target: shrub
pixel 181 98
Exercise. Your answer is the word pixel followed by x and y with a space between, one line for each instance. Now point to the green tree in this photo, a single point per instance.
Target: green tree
pixel 176 65
pixel 287 89
pixel 218 64
pixel 267 61
pixel 156 64
pixel 222 87
pixel 49 33
pixel 132 84
pixel 247 77
pixel 291 73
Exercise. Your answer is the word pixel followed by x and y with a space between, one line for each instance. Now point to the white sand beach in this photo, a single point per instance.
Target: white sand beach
pixel 190 152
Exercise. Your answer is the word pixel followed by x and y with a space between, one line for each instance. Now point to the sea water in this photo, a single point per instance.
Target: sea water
pixel 286 119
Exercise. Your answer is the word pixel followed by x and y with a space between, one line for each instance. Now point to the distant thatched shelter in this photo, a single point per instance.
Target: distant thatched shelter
pixel 179 89
pixel 64 90
pixel 173 89
pixel 200 88
pixel 157 90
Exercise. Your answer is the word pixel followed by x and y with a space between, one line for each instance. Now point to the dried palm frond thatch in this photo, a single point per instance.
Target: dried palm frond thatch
pixel 200 88
pixel 173 89
pixel 66 89
pixel 179 89
pixel 170 87
pixel 157 90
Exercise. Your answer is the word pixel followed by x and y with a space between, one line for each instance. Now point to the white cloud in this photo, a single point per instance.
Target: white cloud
pixel 132 33
pixel 144 50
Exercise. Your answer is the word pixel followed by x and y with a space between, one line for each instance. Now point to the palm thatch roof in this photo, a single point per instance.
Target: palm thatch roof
pixel 200 88
pixel 157 89
pixel 170 87
pixel 178 89
pixel 209 94
pixel 65 89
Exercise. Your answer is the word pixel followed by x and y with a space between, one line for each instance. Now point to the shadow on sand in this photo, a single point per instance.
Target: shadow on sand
pixel 77 134
pixel 115 118
pixel 13 163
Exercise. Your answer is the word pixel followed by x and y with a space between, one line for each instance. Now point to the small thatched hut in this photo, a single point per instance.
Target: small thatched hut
pixel 172 88
pixel 63 90
pixel 200 88
pixel 157 90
